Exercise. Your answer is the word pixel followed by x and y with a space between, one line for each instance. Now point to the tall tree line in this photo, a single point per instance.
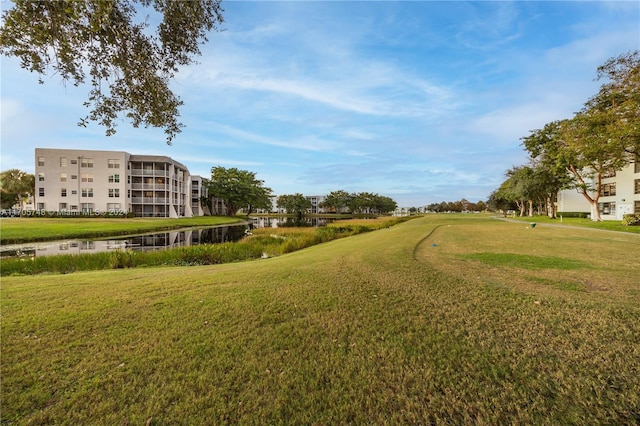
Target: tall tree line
pixel 577 153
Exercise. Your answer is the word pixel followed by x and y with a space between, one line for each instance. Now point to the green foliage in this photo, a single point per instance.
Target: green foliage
pixel 337 201
pixel 122 259
pixel 581 215
pixel 631 219
pixel 129 68
pixel 15 185
pixel 601 138
pixel 296 204
pixel 253 247
pixel 239 189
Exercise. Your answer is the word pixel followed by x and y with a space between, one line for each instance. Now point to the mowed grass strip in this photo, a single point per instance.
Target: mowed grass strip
pixel 371 329
pixel 16 230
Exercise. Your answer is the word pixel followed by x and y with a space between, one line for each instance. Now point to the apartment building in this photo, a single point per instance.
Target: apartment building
pixel 87 181
pixel 620 195
pixel 316 200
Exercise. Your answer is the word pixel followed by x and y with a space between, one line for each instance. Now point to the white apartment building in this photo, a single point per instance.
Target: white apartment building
pixel 620 195
pixel 72 181
pixel 316 200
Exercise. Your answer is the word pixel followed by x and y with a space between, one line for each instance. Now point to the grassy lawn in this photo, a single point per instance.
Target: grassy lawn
pixel 446 319
pixel 606 225
pixel 16 230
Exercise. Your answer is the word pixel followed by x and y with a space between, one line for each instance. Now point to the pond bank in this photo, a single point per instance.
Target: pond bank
pixel 263 243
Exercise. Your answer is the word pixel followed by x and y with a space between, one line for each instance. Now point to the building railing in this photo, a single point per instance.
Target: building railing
pixel 150 186
pixel 155 173
pixel 150 200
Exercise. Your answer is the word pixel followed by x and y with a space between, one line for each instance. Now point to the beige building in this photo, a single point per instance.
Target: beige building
pixel 85 181
pixel 620 195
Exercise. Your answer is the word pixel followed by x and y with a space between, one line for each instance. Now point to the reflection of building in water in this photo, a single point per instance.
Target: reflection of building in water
pixel 275 222
pixel 157 241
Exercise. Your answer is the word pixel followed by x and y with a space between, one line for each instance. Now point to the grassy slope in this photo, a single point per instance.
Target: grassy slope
pixel 378 328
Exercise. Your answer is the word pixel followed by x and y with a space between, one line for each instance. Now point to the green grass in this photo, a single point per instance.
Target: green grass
pixel 607 225
pixel 267 242
pixel 17 230
pixel 526 261
pixel 380 328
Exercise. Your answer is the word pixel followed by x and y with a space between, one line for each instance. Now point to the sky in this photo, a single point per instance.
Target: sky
pixel 420 101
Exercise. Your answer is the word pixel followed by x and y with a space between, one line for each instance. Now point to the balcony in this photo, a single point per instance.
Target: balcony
pixel 150 200
pixel 150 186
pixel 146 172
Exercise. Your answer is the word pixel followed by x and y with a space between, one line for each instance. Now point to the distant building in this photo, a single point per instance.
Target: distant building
pixel 72 181
pixel 620 195
pixel 316 200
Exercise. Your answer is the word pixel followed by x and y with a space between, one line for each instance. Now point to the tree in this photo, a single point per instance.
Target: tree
pixel 337 200
pixel 129 68
pixel 385 205
pixel 550 169
pixel 618 101
pixel 366 202
pixel 296 204
pixel 600 139
pixel 238 189
pixel 519 188
pixel 16 185
pixel 497 201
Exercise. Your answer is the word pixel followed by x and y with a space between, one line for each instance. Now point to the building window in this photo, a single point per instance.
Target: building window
pixel 63 161
pixel 40 177
pixel 113 207
pixel 607 208
pixel 40 206
pixel 63 192
pixel 113 164
pixel 87 208
pixel 636 186
pixel 609 174
pixel 636 207
pixel 86 162
pixel 62 206
pixel 40 161
pixel 74 162
pixel 114 178
pixel 74 207
pixel 86 177
pixel 114 192
pixel 636 168
pixel 608 189
pixel 87 192
pixel 73 177
pixel 63 177
pixel 41 192
pixel 74 192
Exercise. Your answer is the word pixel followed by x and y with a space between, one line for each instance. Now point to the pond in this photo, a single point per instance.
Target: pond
pixel 153 241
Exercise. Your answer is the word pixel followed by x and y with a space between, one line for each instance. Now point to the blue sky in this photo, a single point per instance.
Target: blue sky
pixel 420 101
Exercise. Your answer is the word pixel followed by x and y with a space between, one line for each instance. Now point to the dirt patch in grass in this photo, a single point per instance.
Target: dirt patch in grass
pixel 540 261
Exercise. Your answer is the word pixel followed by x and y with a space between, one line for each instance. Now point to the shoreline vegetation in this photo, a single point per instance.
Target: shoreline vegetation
pixel 443 319
pixel 27 230
pixel 262 243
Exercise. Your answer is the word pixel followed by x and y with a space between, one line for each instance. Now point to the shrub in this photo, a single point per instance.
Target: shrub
pixel 631 219
pixel 581 215
pixel 121 259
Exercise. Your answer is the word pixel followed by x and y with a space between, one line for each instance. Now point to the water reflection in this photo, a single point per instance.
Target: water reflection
pixel 280 222
pixel 146 242
pixel 157 240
